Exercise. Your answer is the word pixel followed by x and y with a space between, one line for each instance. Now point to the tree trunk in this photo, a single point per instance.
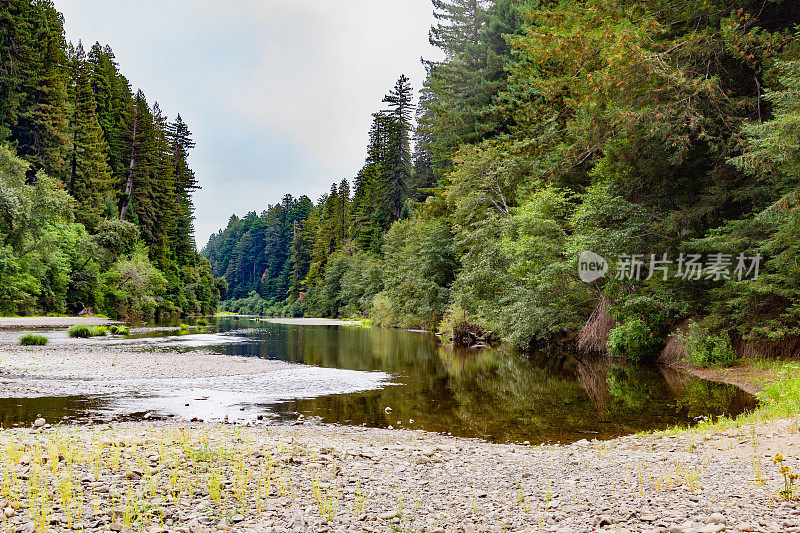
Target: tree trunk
pixel 129 186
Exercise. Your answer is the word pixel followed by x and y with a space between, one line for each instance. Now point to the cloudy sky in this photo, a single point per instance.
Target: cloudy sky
pixel 278 93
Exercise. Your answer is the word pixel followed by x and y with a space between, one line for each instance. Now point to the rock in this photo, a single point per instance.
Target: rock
pixel 602 521
pixel 744 526
pixel 237 518
pixel 114 526
pixel 389 515
pixel 717 518
pixel 387 410
pixel 194 526
pixel 713 528
pixel 299 521
pixel 39 422
pixel 9 512
pixel 649 518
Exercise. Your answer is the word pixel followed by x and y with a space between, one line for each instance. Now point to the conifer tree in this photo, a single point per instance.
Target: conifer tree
pixel 37 110
pixel 115 107
pixel 88 176
pixel 181 143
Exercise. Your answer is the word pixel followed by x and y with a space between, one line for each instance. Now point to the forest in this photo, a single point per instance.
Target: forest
pixel 647 129
pixel 96 209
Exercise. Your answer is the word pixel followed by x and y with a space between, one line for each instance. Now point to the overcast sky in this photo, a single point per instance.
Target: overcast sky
pixel 278 93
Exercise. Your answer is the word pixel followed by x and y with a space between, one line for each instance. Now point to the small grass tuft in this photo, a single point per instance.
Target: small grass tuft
pixel 80 331
pixel 99 331
pixel 33 340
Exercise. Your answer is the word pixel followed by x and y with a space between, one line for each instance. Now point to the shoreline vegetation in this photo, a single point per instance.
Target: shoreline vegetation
pixel 660 141
pixel 96 209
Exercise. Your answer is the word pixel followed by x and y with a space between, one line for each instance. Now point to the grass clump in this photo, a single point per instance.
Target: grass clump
pixel 184 327
pixel 79 331
pixel 119 330
pixel 84 332
pixel 99 331
pixel 33 340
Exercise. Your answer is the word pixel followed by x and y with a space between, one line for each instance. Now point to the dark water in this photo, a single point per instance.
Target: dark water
pixel 495 394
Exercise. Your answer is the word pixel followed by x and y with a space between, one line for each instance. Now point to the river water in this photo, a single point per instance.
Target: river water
pixel 350 375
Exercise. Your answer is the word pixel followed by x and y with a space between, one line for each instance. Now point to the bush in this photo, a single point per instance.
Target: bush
pixel 83 332
pixel 202 322
pixel 33 340
pixel 633 340
pixel 383 311
pixel 184 327
pixel 704 348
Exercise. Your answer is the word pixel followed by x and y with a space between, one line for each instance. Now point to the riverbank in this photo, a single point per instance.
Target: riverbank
pixel 312 477
pixel 187 477
pixel 752 376
pixel 108 358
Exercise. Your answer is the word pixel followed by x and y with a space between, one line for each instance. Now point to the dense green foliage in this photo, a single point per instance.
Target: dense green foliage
pixel 633 340
pixel 552 128
pixel 95 187
pixel 705 349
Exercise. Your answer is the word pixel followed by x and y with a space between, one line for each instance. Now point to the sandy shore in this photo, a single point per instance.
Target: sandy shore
pixel 107 358
pixel 52 321
pixel 312 322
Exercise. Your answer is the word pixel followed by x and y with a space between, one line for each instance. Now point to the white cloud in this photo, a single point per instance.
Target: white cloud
pixel 279 93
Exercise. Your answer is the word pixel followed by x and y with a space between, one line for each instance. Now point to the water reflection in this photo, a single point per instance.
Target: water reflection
pixel 15 411
pixel 495 394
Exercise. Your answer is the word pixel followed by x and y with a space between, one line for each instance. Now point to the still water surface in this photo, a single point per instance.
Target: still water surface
pixel 494 394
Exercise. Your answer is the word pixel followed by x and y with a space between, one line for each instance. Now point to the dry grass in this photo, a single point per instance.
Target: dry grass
pixel 674 350
pixel 593 336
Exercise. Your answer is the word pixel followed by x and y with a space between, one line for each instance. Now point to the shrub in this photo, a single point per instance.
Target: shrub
pixel 33 340
pixel 704 348
pixel 633 340
pixel 184 327
pixel 202 322
pixel 80 331
pixel 383 310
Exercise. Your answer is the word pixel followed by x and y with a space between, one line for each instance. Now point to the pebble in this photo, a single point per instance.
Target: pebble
pixel 439 483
